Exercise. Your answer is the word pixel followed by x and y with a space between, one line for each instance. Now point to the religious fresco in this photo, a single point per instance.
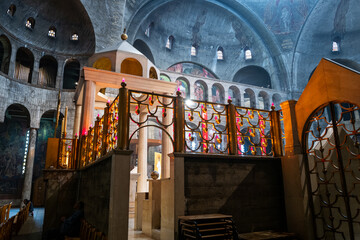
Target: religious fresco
pixel 12 149
pixel 200 92
pixel 183 86
pixel 217 94
pixel 165 78
pixel 191 68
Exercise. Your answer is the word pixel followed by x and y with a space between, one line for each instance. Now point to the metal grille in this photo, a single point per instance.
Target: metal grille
pixel 332 141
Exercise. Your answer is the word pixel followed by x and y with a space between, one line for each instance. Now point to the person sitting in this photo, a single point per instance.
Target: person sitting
pixel 31 208
pixel 71 225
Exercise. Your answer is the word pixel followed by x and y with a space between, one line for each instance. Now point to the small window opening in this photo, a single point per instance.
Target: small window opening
pixel 220 53
pixel 30 23
pixel 11 10
pixel 169 42
pixel 248 54
pixel 335 47
pixel 74 37
pixel 148 29
pixel 52 32
pixel 193 50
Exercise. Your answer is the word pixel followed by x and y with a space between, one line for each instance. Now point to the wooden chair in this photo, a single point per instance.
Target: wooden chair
pixel 7 212
pixel 2 213
pixel 6 229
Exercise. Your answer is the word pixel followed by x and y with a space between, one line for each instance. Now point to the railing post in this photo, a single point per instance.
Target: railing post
pixel 179 123
pixel 232 131
pixel 123 122
pixel 95 139
pixel 276 132
pixel 104 143
pixel 74 150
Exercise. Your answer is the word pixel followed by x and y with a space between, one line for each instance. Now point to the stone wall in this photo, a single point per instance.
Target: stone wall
pixel 249 189
pixel 94 191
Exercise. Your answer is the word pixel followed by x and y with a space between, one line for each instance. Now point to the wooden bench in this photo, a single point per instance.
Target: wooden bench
pixel 206 226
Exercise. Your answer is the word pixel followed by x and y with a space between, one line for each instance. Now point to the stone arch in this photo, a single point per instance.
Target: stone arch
pixel 192 68
pixel 201 91
pixel 5 54
pixel 165 77
pixel 24 64
pixel 144 49
pixel 131 66
pixel 103 63
pixel 263 100
pixel 234 94
pixel 249 98
pixel 71 74
pixel 253 75
pixel 48 71
pixel 183 86
pixel 217 93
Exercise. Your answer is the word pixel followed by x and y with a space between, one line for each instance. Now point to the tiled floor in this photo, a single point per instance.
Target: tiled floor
pixel 32 228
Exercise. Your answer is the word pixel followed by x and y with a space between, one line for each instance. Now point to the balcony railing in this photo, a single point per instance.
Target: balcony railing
pixel 192 126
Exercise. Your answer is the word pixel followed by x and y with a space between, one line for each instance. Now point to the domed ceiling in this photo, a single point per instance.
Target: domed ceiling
pixel 67 16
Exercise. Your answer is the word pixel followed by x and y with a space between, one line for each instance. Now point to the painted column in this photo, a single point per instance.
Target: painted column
pixel 26 193
pixel 166 142
pixel 88 105
pixel 142 156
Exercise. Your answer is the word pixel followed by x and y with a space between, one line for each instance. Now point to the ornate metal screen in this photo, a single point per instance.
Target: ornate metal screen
pixel 332 141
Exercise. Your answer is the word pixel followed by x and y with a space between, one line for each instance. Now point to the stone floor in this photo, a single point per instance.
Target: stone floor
pixel 32 228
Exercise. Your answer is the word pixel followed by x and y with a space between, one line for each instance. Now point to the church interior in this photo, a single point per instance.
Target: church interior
pixel 181 119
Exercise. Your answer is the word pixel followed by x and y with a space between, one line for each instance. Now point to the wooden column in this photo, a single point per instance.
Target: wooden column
pixel 142 156
pixel 88 105
pixel 166 142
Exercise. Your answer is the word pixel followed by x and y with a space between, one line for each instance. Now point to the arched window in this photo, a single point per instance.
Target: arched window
pixel 30 23
pixel 24 64
pixel 248 54
pixel 193 50
pixel 52 32
pixel 103 63
pixel 11 10
pixel 71 74
pixel 5 54
pixel 170 42
pixel 48 71
pixel 153 73
pixel 148 29
pixel 253 75
pixel 74 37
pixel 220 53
pixel 335 46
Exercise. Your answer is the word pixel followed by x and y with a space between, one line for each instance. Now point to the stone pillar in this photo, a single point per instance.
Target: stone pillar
pixel 59 76
pixel 167 146
pixel 88 105
pixel 35 72
pixel 11 72
pixel 76 130
pixel 26 193
pixel 142 157
pixel 296 197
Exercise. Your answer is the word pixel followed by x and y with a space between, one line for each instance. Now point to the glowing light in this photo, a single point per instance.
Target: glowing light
pixel 123 80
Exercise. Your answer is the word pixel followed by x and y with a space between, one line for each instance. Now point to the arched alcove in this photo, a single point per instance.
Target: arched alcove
pixel 153 73
pixel 144 49
pixel 24 64
pixel 131 66
pixel 249 98
pixel 71 74
pixel 5 54
pixel 253 75
pixel 14 141
pixel 263 100
pixel 103 63
pixel 276 99
pixel 183 86
pixel 165 77
pixel 218 93
pixel 200 91
pixel 234 94
pixel 48 71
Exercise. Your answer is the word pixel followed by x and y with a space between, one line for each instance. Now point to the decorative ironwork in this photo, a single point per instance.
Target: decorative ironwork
pixel 67 153
pixel 332 141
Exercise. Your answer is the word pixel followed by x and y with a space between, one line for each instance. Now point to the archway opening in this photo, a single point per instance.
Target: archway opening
pixel 71 74
pixel 5 54
pixel 253 75
pixel 234 94
pixel 144 49
pixel 48 71
pixel 24 64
